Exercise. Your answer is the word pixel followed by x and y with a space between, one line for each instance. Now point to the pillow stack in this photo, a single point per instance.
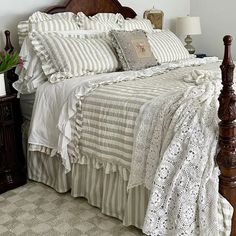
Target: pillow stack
pixel 65 45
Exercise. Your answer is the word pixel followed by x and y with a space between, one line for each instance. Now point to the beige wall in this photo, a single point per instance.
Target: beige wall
pixel 217 19
pixel 12 11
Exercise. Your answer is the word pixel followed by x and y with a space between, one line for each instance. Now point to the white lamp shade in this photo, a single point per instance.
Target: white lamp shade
pixel 2 86
pixel 188 25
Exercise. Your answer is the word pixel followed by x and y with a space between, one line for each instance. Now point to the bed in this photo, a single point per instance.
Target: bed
pixel 104 183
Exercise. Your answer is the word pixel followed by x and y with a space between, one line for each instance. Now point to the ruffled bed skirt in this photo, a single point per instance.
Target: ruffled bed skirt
pixel 103 186
pixel 105 191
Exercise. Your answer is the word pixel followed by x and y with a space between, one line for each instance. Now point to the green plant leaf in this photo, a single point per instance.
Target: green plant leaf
pixel 8 61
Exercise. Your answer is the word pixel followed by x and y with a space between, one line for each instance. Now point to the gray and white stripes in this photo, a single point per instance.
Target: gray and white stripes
pixel 105 191
pixel 134 24
pixel 23 30
pixel 166 47
pixel 65 57
pixel 101 21
pixel 68 21
pixel 43 22
pixel 58 22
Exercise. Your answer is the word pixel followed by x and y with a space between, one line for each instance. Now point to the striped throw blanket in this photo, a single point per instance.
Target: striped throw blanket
pixel 108 115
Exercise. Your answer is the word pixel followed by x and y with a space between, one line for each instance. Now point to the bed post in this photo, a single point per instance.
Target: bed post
pixel 226 157
pixel 8 47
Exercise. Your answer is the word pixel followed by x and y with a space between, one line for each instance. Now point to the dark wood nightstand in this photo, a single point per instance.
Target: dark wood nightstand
pixel 12 162
pixel 202 55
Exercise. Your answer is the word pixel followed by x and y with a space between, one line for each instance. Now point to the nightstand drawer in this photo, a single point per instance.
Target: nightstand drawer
pixel 12 163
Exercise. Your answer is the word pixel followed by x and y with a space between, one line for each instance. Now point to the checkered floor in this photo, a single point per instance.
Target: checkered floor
pixel 35 209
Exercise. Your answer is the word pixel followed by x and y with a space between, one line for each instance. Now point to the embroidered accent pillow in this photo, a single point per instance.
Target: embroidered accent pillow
pixel 100 21
pixel 166 47
pixel 66 57
pixel 133 49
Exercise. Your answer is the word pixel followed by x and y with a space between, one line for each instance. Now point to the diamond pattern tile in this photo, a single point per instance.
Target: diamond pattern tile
pixel 35 209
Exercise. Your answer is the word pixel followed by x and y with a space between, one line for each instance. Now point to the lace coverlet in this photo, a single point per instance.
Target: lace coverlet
pixel 176 141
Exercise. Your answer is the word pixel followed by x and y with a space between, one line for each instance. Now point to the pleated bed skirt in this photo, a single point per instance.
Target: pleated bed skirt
pixel 105 191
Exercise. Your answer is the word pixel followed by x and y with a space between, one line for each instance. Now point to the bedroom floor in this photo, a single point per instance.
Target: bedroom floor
pixel 35 209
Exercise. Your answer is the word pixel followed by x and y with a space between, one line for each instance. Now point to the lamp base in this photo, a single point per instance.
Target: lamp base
pixel 188 40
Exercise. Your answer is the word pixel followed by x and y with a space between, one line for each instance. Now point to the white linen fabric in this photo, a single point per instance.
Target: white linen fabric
pixel 65 57
pixel 31 76
pixel 135 24
pixel 57 22
pixel 184 194
pixel 166 47
pixel 100 21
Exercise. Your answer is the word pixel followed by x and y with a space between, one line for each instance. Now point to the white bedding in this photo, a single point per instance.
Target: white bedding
pixel 55 104
pixel 179 164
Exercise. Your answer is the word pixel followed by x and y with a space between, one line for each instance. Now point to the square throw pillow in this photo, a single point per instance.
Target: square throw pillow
pixel 133 49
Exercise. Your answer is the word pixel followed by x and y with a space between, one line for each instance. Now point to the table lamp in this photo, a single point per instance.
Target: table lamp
pixel 189 25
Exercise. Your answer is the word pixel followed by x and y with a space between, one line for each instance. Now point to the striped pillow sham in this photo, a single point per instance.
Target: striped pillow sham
pixel 23 30
pixel 166 47
pixel 136 24
pixel 82 34
pixel 65 57
pixel 101 21
pixel 40 21
pixel 45 22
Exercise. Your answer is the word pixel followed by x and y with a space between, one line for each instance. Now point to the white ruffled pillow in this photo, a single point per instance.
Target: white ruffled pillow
pixel 100 21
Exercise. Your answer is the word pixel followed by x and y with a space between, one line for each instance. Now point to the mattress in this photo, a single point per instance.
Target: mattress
pixel 26 104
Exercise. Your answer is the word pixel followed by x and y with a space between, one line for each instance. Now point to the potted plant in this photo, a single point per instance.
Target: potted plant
pixel 7 62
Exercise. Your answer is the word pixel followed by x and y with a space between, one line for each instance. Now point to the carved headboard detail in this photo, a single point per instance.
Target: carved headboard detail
pixel 92 7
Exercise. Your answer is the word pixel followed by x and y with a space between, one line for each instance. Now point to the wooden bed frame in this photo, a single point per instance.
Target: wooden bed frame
pixel 226 157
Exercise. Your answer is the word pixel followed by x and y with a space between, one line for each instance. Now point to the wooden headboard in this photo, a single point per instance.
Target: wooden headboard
pixel 92 7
